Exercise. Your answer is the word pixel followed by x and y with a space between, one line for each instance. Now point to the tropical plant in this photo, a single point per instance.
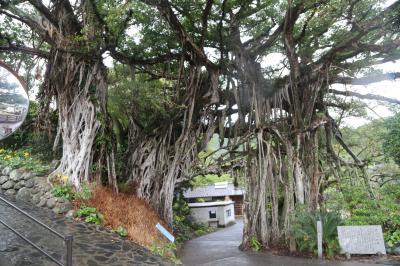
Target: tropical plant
pixel 255 244
pixel 305 231
pixel 65 192
pixel 89 214
pixel 22 158
pixel 121 231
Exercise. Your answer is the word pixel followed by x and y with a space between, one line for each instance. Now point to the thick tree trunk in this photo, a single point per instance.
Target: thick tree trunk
pixel 159 161
pixel 80 88
pixel 156 164
pixel 255 213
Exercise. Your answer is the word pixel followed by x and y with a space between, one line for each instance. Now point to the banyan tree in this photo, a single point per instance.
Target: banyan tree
pixel 258 73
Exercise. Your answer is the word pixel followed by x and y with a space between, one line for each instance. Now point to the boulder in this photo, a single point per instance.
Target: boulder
pixel 10 192
pixel 35 191
pixel 6 170
pixel 7 185
pixel 50 203
pixel 42 202
pixel 27 175
pixel 3 179
pixel 16 175
pixel 24 194
pixel 396 250
pixel 29 183
pixel 70 214
pixel 35 199
pixel 64 207
pixel 57 210
pixel 19 185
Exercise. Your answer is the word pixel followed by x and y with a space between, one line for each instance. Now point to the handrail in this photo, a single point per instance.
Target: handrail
pixel 67 239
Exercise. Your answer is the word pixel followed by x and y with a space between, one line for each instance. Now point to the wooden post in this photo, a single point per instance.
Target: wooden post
pixel 319 239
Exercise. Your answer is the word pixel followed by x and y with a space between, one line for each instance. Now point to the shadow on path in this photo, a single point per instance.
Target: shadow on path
pixel 221 248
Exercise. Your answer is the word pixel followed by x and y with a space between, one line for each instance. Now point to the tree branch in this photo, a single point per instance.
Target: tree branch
pixel 367 80
pixel 365 96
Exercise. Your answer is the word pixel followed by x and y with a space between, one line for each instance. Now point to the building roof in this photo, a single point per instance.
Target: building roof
pixel 217 190
pixel 210 204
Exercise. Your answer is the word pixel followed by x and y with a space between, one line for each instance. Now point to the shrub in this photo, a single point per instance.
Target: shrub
pixel 89 214
pixel 121 231
pixel 65 192
pixel 165 250
pixel 85 193
pixel 22 158
pixel 393 239
pixel 255 244
pixel 305 231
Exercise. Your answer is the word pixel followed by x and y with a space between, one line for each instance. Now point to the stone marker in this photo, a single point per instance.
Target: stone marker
pixel 363 239
pixel 165 232
pixel 319 238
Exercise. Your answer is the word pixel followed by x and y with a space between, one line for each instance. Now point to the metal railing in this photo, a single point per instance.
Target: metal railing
pixel 67 239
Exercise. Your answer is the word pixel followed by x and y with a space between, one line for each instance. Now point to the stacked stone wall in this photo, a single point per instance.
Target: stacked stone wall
pixel 26 186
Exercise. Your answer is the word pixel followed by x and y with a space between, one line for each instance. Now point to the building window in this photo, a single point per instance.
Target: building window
pixel 228 213
pixel 213 214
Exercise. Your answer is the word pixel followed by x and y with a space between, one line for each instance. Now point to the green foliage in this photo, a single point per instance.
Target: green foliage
pixel 121 231
pixel 22 158
pixel 39 143
pixel 255 244
pixel 84 193
pixel 393 239
pixel 200 200
pixel 209 179
pixel 148 102
pixel 165 250
pixel 65 192
pixel 183 226
pixel 90 214
pixel 391 144
pixel 384 210
pixel 305 231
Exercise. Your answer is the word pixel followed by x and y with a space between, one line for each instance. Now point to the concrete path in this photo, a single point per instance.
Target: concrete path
pixel 92 245
pixel 221 249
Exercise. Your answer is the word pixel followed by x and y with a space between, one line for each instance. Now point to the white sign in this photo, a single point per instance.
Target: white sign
pixel 363 239
pixel 165 232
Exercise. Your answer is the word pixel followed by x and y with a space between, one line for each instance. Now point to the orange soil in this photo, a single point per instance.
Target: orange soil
pixel 128 211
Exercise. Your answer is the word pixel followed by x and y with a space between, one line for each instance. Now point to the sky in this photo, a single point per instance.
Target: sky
pixel 386 88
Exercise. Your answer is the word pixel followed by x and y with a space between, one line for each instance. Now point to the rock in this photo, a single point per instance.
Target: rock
pixel 10 192
pixel 27 175
pixel 16 175
pixel 396 250
pixel 57 210
pixel 9 184
pixel 70 214
pixel 51 202
pixel 42 203
pixel 3 179
pixel 35 191
pixel 24 194
pixel 6 170
pixel 19 185
pixel 61 200
pixel 35 199
pixel 29 183
pixel 64 207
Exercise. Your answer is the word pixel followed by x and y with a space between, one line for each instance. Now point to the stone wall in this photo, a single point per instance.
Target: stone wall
pixel 27 186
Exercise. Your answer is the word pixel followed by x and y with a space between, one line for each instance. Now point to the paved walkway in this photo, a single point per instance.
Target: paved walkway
pixel 221 248
pixel 92 244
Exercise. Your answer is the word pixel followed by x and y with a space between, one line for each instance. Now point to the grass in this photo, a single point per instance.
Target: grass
pixel 129 212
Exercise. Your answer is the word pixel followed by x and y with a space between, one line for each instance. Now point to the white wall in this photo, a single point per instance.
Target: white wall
pixel 201 214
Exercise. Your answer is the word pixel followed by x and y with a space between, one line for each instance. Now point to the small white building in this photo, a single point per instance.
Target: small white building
pixel 215 213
